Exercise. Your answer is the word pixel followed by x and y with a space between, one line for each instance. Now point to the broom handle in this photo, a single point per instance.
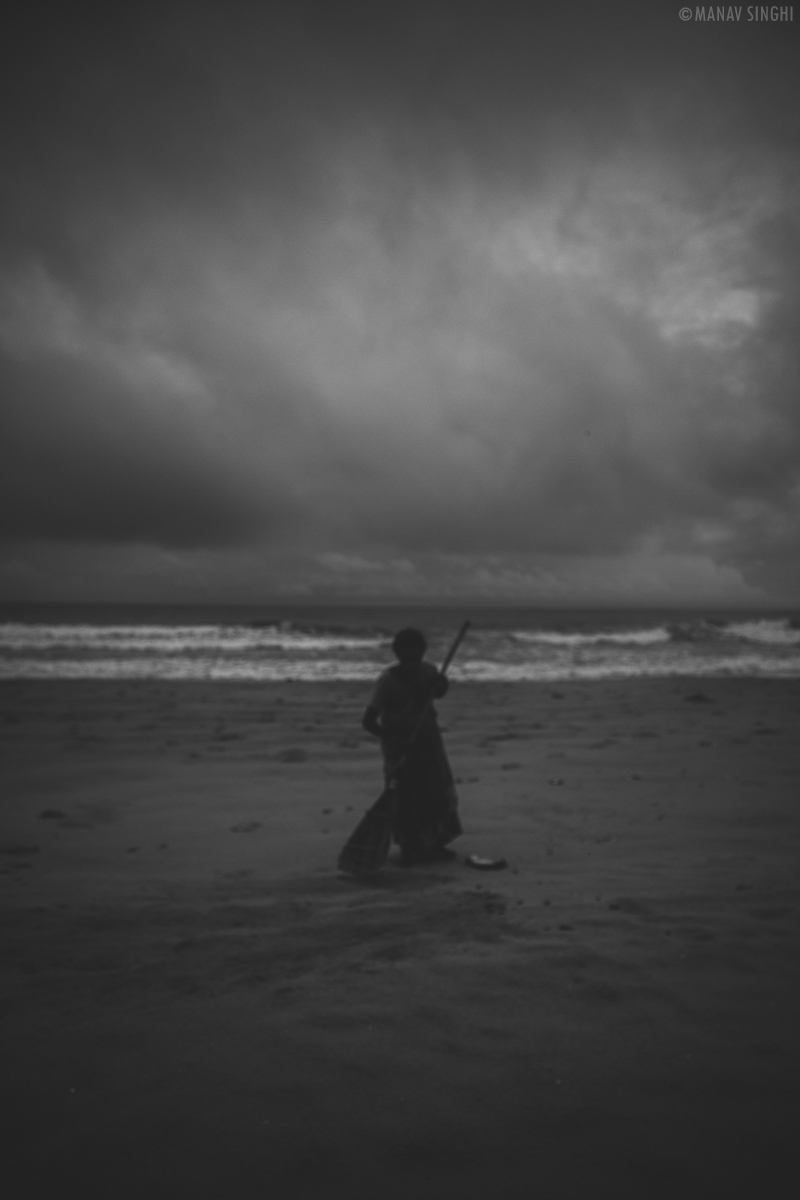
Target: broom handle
pixel 451 653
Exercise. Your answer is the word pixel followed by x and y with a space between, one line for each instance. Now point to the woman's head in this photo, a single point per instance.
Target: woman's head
pixel 409 645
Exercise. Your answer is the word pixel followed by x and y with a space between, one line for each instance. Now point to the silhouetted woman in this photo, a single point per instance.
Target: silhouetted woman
pixel 402 715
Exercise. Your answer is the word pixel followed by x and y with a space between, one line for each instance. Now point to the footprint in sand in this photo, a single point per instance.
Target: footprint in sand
pixel 293 755
pixel 87 816
pixel 771 914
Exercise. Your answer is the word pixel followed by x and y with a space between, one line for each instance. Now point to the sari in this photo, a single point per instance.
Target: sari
pixel 415 763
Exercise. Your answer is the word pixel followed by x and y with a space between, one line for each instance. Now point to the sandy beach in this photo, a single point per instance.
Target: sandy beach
pixel 197 1004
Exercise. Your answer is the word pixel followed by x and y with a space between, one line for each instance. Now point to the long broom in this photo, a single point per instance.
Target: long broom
pixel 367 848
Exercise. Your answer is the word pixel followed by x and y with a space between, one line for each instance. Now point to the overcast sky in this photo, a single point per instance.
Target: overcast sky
pixel 429 300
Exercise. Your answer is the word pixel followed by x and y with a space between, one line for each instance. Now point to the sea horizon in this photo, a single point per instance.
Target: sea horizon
pixel 37 610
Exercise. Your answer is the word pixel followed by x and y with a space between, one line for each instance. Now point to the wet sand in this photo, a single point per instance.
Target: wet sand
pixel 196 1004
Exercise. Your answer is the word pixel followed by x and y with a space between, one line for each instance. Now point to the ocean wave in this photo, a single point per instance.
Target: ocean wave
pixel 772 631
pixel 780 632
pixel 329 670
pixel 188 670
pixel 173 639
pixel 486 671
pixel 625 637
pixel 278 651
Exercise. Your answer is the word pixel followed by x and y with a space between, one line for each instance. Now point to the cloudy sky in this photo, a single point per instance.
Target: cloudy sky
pixel 429 300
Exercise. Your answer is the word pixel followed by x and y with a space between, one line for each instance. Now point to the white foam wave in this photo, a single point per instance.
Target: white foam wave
pixel 188 670
pixel 554 672
pixel 771 632
pixel 632 637
pixel 328 670
pixel 171 639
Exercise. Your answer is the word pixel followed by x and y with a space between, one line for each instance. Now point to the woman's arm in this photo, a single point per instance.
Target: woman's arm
pixel 371 720
pixel 440 686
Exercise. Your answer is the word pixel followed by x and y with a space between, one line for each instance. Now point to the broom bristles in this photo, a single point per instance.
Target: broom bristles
pixel 367 848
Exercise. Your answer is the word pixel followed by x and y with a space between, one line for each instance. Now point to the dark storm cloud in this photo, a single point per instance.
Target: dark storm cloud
pixel 81 458
pixel 389 284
